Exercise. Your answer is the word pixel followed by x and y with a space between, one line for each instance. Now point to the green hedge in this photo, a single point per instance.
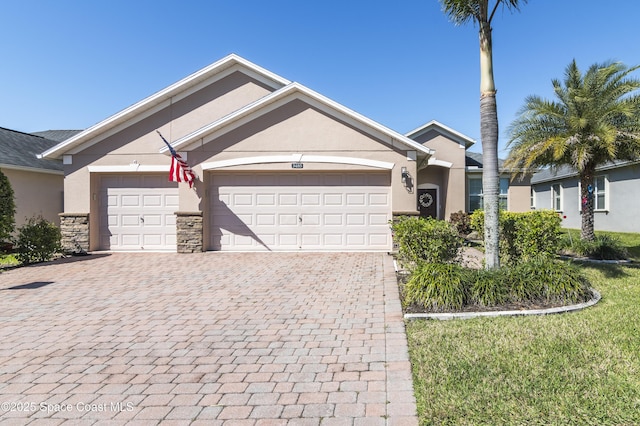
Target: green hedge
pixel 425 240
pixel 524 236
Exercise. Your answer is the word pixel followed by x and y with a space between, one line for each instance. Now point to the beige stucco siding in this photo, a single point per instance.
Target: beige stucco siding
pixel 519 195
pixel 451 181
pixel 36 194
pixel 298 128
pixel 139 143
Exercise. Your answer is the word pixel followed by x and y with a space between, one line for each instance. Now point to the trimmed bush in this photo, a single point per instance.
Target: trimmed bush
pixel 425 240
pixel 38 241
pixel 524 236
pixel 7 209
pixel 437 287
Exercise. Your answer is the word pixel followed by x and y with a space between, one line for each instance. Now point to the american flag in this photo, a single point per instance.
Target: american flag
pixel 180 170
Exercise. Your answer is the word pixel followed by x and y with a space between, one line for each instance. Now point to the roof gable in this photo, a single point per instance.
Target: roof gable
pixel 289 93
pixel 161 99
pixel 19 150
pixel 446 131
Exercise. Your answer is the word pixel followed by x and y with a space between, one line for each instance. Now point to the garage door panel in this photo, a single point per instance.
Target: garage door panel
pixel 378 219
pixel 137 212
pixel 313 211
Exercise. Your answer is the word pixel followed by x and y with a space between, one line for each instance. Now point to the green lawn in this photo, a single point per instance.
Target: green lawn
pixel 578 368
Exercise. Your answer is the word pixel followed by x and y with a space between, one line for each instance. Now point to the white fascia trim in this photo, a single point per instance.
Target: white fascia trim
pixel 282 96
pixel 434 162
pixel 165 95
pixel 130 168
pixel 434 123
pixel 297 158
pixel 31 169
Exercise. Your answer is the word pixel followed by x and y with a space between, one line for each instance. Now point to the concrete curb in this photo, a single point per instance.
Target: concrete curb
pixel 597 261
pixel 469 315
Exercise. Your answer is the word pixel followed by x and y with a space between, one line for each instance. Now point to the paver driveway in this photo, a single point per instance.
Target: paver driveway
pixel 210 338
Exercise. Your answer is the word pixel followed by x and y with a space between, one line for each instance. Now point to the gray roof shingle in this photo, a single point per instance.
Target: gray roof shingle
pixel 21 149
pixel 562 172
pixel 57 135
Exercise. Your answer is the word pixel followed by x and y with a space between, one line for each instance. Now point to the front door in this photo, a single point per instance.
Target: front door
pixel 428 202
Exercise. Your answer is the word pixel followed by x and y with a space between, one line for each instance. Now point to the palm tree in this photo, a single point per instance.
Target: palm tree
pixel 481 12
pixel 595 120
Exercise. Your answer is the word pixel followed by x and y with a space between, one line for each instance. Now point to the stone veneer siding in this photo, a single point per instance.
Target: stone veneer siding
pixel 189 233
pixel 74 228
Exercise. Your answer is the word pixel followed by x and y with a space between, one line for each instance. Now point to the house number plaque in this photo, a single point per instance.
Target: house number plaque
pixel 297 165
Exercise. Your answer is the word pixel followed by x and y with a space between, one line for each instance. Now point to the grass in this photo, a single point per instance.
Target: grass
pixel 8 260
pixel 571 369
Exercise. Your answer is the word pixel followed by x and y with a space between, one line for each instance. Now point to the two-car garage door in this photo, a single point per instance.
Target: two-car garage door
pixel 300 211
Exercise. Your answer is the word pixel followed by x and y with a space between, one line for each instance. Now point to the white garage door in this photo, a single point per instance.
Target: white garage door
pixel 300 211
pixel 137 212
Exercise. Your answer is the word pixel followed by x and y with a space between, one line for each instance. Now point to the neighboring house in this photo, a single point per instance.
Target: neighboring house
pixel 453 175
pixel 279 167
pixel 37 183
pixel 616 196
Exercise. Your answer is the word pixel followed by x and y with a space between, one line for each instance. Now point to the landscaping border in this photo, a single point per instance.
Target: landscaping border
pixel 469 315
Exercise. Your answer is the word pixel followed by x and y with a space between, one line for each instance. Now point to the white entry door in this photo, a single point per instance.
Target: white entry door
pixel 137 212
pixel 300 211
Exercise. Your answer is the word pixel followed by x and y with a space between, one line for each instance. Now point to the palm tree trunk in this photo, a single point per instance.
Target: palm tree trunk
pixel 489 140
pixel 587 197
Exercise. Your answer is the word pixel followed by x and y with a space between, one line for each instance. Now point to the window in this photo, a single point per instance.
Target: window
pixel 533 198
pixel 600 193
pixel 556 197
pixel 600 198
pixel 476 198
pixel 475 194
pixel 504 192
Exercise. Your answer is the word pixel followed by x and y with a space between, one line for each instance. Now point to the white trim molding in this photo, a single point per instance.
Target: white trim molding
pixel 31 169
pixel 130 168
pixel 297 158
pixel 434 162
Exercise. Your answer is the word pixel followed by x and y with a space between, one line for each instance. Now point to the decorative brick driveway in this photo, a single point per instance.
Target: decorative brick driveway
pixel 210 338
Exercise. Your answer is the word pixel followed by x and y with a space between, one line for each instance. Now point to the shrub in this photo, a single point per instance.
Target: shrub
pixel 439 287
pixel 38 241
pixel 436 286
pixel 524 235
pixel 604 247
pixel 462 221
pixel 7 209
pixel 489 287
pixel 425 239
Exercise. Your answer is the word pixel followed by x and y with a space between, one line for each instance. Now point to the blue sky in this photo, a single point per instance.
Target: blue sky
pixel 68 64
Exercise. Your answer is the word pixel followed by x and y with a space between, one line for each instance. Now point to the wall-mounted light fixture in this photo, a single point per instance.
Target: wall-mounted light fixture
pixel 406 179
pixel 405 174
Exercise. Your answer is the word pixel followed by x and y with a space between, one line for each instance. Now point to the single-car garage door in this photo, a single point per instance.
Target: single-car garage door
pixel 137 212
pixel 300 211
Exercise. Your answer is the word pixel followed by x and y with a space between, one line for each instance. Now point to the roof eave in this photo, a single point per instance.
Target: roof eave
pixel 461 138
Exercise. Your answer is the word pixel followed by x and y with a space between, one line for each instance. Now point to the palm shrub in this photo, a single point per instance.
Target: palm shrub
pixel 593 120
pixel 38 241
pixel 425 240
